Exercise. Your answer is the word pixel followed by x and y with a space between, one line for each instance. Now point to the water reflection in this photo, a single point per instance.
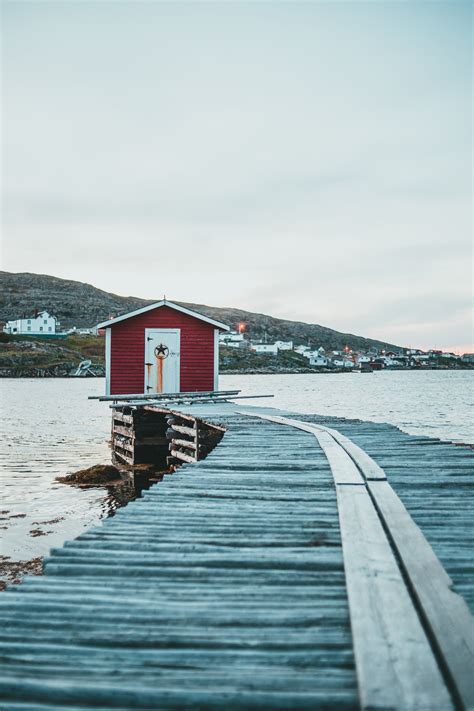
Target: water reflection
pixel 132 484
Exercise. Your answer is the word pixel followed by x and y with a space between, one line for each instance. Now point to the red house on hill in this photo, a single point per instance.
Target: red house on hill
pixel 161 348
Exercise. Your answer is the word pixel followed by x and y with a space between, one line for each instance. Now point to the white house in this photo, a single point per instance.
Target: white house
pixel 318 360
pixel 301 349
pixel 40 324
pixel 82 331
pixel 389 362
pixel 313 354
pixel 284 345
pixel 231 344
pixel 231 337
pixel 266 348
pixel 343 363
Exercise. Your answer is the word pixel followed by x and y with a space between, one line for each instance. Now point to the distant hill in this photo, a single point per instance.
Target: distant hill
pixel 83 305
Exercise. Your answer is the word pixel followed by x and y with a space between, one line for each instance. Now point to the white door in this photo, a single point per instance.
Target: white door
pixel 162 360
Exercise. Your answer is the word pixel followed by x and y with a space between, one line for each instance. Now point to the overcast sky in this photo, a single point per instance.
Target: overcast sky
pixel 310 160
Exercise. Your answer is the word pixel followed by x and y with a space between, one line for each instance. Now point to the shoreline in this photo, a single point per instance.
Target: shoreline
pixel 58 372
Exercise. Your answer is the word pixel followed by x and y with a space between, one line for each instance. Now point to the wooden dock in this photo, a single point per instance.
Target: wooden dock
pixel 283 571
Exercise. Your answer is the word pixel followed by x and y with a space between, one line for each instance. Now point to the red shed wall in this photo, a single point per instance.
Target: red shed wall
pixel 127 352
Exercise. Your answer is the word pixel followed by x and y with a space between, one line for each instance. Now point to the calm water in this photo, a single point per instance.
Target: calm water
pixel 49 428
pixel 432 403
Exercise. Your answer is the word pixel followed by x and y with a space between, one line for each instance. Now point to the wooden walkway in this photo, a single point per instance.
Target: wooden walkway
pixel 225 584
pixel 401 601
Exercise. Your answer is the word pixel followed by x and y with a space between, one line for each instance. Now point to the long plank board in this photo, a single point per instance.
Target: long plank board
pixel 389 629
pixel 396 667
pixel 369 468
pixel 446 612
pixel 343 469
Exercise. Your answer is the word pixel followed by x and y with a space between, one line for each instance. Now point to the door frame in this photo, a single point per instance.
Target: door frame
pixel 177 332
pixel 108 359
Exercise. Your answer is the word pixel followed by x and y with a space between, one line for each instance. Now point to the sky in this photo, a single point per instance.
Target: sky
pixel 309 160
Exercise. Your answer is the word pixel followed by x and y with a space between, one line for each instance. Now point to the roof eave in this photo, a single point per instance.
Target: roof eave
pixel 158 304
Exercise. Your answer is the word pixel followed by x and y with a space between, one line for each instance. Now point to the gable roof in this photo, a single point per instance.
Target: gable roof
pixel 157 305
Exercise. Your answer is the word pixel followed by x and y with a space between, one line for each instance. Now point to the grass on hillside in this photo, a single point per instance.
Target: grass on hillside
pixel 37 352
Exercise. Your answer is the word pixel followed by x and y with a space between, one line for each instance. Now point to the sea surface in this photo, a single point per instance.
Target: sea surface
pixel 435 403
pixel 49 428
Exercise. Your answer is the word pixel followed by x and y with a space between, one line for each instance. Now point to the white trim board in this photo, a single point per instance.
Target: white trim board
pixel 216 359
pixel 108 359
pixel 157 305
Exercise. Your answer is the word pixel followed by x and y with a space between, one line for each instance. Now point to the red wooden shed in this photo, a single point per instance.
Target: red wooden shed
pixel 163 347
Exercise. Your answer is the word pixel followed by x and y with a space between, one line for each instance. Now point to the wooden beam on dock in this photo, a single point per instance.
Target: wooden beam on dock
pixel 159 396
pixel 185 443
pixel 182 429
pixel 446 613
pixel 369 468
pixel 400 643
pixel 396 667
pixel 343 469
pixel 190 459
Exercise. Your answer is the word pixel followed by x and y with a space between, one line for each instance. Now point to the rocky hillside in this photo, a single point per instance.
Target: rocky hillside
pixel 29 358
pixel 83 305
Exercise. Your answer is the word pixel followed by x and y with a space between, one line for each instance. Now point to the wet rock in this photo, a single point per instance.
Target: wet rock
pixel 35 532
pixel 98 475
pixel 12 572
pixel 48 523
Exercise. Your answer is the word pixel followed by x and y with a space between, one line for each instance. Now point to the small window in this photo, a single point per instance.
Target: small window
pixel 41 328
pixel 29 328
pixel 45 321
pixel 29 320
pixel 49 328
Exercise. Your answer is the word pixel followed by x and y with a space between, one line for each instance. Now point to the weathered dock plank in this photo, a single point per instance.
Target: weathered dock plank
pixel 225 584
pixel 395 661
pixel 446 613
pixel 435 481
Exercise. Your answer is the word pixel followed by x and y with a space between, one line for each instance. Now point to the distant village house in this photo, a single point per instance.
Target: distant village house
pixel 267 348
pixel 318 360
pixel 41 323
pixel 284 345
pixel 232 339
pixel 343 363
